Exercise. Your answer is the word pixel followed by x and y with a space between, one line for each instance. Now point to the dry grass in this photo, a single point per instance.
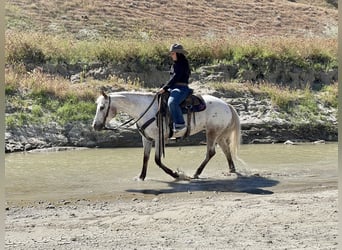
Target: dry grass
pixel 175 19
pixel 282 97
pixel 37 82
pixel 84 30
pixel 35 47
pixel 39 98
pixel 55 86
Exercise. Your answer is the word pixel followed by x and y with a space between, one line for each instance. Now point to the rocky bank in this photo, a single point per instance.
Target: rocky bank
pixel 261 122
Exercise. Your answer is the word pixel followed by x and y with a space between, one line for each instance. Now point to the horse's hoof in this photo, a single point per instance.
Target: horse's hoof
pixel 138 178
pixel 182 176
pixel 230 173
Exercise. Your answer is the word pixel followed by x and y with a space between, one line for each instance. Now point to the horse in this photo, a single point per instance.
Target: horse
pixel 219 120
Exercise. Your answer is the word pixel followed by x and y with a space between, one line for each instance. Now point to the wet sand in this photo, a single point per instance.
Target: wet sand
pixel 259 211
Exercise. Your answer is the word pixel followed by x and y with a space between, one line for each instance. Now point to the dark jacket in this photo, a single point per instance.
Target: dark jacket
pixel 180 73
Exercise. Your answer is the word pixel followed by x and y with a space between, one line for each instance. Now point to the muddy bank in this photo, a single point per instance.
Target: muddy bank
pixel 254 130
pixel 289 219
pixel 151 74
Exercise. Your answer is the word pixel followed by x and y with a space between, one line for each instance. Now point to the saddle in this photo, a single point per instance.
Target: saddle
pixel 192 104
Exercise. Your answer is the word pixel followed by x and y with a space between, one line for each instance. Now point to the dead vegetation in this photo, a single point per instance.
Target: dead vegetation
pixel 175 19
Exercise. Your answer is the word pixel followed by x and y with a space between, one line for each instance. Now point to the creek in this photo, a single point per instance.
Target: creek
pixel 96 173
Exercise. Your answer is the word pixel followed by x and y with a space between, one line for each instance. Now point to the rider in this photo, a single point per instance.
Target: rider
pixel 178 87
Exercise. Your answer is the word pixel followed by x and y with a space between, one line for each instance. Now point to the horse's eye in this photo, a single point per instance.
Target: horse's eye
pixel 101 107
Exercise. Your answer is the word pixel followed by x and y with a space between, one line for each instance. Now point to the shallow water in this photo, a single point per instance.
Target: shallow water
pixel 110 172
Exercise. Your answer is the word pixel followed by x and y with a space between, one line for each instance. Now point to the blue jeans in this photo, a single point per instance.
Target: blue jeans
pixel 177 96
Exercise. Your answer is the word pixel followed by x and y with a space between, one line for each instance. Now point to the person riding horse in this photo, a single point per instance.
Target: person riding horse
pixel 178 87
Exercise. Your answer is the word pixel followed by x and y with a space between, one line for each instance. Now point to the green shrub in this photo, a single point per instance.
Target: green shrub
pixel 18 119
pixel 282 97
pixel 10 89
pixel 37 111
pixel 75 111
pixel 329 95
pixel 11 121
pixel 308 101
pixel 41 96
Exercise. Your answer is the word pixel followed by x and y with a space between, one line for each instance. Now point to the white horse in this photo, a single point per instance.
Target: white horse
pixel 220 121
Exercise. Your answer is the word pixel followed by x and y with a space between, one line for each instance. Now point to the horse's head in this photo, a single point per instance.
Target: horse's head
pixel 104 112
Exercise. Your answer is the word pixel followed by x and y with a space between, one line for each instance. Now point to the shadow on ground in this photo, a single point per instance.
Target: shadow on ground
pixel 253 184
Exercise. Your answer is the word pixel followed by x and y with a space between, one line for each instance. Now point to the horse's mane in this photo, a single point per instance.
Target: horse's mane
pixel 136 93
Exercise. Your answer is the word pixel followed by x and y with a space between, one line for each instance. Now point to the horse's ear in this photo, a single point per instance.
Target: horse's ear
pixel 104 94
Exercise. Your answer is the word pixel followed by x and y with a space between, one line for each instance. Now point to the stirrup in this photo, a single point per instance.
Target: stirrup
pixel 179 132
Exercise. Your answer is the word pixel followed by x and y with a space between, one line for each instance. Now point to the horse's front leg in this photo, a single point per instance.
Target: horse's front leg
pixel 157 159
pixel 147 144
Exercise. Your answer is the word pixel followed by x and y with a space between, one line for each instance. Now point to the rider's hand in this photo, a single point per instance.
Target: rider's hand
pixel 161 91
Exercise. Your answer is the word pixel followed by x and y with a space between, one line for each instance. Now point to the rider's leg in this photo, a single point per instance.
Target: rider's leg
pixel 177 96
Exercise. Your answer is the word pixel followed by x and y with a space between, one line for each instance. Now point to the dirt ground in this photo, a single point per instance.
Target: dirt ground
pixel 215 214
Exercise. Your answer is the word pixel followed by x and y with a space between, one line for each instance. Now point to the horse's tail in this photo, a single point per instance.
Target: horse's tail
pixel 234 135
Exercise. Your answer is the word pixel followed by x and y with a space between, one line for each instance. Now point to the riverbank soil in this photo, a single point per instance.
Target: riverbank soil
pixel 255 211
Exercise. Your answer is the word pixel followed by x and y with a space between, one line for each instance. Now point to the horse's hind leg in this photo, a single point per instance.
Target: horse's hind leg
pixel 224 145
pixel 210 153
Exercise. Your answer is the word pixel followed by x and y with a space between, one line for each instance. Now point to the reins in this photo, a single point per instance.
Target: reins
pixel 130 120
pixel 160 124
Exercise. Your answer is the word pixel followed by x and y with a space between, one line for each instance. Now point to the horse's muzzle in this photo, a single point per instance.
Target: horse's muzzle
pixel 97 126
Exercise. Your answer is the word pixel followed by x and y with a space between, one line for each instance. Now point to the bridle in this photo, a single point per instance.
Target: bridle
pixel 107 112
pixel 129 123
